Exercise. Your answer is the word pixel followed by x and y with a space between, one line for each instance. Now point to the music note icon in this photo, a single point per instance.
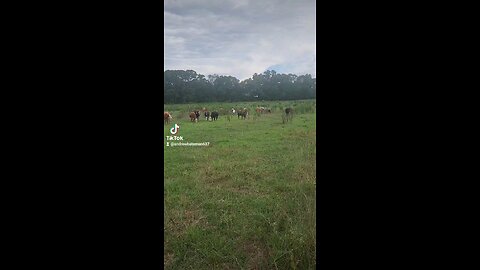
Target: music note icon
pixel 174 130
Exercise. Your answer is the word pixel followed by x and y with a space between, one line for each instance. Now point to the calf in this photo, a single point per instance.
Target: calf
pixel 214 116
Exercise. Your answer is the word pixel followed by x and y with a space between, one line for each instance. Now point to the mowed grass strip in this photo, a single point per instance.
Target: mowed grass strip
pixel 245 202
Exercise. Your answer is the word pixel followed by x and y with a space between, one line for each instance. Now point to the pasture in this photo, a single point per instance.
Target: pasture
pixel 246 201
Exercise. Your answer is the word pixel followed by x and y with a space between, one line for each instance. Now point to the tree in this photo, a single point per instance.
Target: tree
pixel 182 86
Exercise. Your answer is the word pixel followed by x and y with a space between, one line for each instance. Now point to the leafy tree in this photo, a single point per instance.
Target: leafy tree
pixel 185 86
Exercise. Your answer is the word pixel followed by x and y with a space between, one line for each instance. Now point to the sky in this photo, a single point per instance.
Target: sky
pixel 240 37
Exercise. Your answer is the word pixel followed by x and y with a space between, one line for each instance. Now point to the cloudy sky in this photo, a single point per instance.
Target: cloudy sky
pixel 240 37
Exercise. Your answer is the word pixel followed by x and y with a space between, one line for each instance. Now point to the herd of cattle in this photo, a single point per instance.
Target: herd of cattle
pixel 213 116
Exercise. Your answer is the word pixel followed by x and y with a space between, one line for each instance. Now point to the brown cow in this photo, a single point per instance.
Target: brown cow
pixel 260 110
pixel 193 116
pixel 167 117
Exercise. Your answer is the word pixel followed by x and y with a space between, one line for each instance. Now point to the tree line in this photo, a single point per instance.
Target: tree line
pixel 187 86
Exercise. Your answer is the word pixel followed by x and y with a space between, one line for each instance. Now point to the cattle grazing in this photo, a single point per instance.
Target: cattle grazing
pixel 214 116
pixel 167 117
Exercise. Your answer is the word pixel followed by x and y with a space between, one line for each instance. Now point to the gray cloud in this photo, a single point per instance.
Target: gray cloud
pixel 240 37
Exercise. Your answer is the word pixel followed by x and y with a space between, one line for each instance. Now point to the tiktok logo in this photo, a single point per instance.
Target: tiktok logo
pixel 175 129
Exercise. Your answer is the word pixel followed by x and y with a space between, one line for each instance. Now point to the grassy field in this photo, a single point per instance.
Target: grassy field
pixel 246 201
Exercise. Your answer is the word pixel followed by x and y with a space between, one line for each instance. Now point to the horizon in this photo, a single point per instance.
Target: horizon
pixel 206 75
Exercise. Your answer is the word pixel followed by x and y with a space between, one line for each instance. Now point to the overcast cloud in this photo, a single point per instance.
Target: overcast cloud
pixel 240 37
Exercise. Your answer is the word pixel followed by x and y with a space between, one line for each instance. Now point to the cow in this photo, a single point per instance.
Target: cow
pixel 167 117
pixel 197 115
pixel 193 116
pixel 232 111
pixel 242 113
pixel 214 116
pixel 289 113
pixel 207 115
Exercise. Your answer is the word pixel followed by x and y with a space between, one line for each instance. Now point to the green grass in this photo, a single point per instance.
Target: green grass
pixel 247 201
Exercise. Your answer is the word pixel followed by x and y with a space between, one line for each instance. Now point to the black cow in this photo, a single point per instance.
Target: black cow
pixel 207 115
pixel 197 115
pixel 214 116
pixel 289 113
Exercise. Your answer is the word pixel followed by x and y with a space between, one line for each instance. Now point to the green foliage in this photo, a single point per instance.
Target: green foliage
pixel 182 86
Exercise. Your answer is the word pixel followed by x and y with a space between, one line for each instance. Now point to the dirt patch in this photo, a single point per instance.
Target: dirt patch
pixel 257 255
pixel 167 260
